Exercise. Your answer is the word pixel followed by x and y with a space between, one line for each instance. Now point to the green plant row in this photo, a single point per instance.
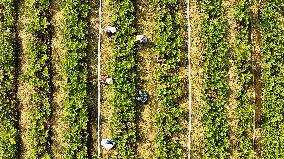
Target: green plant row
pixel 124 74
pixel 272 46
pixel 38 75
pixel 243 56
pixel 74 63
pixel 9 133
pixel 216 86
pixel 168 47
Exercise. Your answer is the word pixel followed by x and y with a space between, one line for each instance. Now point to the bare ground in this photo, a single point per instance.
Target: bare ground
pixel 258 80
pixel 58 82
pixel 197 133
pixel 147 65
pixel 24 89
pixel 231 109
pixel 92 81
pixel 183 73
pixel 105 91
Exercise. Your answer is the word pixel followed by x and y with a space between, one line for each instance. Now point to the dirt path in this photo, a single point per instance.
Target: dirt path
pixel 232 117
pixel 105 91
pixel 57 54
pixel 183 73
pixel 147 65
pixel 258 80
pixel 197 134
pixel 92 79
pixel 23 90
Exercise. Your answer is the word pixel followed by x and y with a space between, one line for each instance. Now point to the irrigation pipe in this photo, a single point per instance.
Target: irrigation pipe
pixel 189 78
pixel 99 77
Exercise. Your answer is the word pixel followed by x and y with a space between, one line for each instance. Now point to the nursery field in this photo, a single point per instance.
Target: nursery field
pixel 213 71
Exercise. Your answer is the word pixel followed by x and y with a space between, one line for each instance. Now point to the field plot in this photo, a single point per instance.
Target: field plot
pixel 147 65
pixel 9 133
pixel 124 73
pixel 272 45
pixel 75 74
pixel 197 133
pixel 49 79
pixel 216 85
pixel 243 58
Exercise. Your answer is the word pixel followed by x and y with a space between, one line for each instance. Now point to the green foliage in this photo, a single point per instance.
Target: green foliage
pixel 168 47
pixel 9 134
pixel 123 71
pixel 272 46
pixel 216 85
pixel 245 73
pixel 75 109
pixel 39 78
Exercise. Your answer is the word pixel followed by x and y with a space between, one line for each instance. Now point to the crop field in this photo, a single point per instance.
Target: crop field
pixel 213 71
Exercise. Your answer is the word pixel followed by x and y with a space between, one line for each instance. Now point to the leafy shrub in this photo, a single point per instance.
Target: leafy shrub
pixel 168 47
pixel 9 133
pixel 75 109
pixel 243 55
pixel 272 46
pixel 216 86
pixel 123 71
pixel 38 77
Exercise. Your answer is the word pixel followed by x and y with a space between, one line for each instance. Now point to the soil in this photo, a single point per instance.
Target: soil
pixel 58 82
pixel 258 80
pixel 23 90
pixel 196 53
pixel 93 78
pixel 105 91
pixel 231 109
pixel 147 66
pixel 183 73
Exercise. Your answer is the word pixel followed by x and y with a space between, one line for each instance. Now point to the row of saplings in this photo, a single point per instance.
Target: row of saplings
pixel 142 96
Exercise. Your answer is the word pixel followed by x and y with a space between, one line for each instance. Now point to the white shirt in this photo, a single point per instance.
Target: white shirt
pixel 141 38
pixel 111 29
pixel 105 143
pixel 108 80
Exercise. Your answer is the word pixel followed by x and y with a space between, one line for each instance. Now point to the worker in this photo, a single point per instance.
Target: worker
pixel 107 144
pixel 142 39
pixel 106 79
pixel 110 30
pixel 142 96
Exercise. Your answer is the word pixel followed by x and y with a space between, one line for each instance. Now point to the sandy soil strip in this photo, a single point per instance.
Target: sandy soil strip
pixel 23 90
pixel 147 65
pixel 92 81
pixel 57 54
pixel 183 72
pixel 258 80
pixel 232 118
pixel 105 96
pixel 197 134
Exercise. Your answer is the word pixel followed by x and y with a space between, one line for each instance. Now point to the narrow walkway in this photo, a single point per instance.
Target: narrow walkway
pixel 189 78
pixel 99 77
